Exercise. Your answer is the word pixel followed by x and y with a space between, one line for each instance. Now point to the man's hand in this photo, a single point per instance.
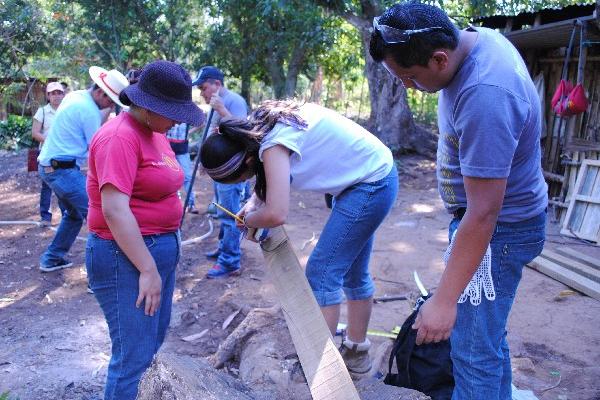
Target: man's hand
pixel 435 321
pixel 217 104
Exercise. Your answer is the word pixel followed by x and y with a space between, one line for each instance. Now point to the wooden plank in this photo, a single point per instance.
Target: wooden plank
pixel 579 257
pixel 583 215
pixel 567 224
pixel 569 263
pixel 322 364
pixel 591 219
pixel 588 199
pixel 569 278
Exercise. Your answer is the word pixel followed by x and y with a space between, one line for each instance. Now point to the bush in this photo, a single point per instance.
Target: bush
pixel 15 133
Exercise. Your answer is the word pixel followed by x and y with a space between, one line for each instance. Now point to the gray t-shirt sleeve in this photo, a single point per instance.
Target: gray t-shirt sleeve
pixel 237 107
pixel 489 121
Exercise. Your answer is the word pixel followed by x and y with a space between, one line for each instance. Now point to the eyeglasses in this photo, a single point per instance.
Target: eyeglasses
pixel 392 35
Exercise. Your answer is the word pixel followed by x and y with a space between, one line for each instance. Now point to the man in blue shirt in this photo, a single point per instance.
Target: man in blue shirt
pixel 226 104
pixel 65 150
pixel 489 177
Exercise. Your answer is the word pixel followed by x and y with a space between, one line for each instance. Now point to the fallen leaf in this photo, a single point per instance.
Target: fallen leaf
pixel 229 319
pixel 307 242
pixel 195 336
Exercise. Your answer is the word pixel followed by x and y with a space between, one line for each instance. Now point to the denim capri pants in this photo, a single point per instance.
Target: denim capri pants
pixel 339 263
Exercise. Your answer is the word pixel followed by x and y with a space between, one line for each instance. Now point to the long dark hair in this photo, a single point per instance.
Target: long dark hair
pixel 245 136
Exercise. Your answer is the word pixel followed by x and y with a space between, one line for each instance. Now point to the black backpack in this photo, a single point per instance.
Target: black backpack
pixel 426 368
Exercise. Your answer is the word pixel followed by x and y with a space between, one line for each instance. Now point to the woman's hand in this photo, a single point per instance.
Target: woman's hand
pixel 251 205
pixel 150 287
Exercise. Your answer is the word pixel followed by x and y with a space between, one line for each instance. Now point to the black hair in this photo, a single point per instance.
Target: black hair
pixel 237 135
pixel 420 47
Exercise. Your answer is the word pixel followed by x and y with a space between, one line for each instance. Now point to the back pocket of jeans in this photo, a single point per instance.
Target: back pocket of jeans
pixel 514 257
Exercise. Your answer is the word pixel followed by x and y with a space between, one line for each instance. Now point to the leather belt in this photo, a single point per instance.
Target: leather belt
pixel 459 213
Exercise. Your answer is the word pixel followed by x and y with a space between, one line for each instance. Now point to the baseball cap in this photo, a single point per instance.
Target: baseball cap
pixel 52 86
pixel 206 73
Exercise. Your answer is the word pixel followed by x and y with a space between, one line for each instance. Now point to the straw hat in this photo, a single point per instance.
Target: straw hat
pixel 111 82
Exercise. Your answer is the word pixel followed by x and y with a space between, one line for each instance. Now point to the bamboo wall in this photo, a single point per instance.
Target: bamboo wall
pixel 567 141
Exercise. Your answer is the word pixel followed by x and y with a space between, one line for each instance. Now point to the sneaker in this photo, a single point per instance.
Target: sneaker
pixel 55 267
pixel 89 289
pixel 356 356
pixel 193 210
pixel 219 271
pixel 213 254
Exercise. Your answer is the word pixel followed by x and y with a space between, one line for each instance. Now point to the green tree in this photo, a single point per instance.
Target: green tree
pixel 22 33
pixel 273 40
pixel 391 118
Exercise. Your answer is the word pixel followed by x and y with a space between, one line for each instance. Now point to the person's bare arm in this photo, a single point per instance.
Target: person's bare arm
pixel 125 230
pixel 36 131
pixel 437 316
pixel 274 212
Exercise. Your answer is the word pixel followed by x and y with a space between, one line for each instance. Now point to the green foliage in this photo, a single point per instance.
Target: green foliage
pixel 271 41
pixel 15 134
pixel 424 107
pixel 22 33
pixel 7 396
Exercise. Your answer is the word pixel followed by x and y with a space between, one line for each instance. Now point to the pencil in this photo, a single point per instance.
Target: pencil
pixel 238 219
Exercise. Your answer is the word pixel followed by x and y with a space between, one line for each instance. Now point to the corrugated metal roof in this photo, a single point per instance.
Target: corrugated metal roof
pixel 552 35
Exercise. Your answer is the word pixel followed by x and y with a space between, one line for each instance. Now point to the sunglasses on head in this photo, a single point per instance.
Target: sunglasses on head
pixel 392 35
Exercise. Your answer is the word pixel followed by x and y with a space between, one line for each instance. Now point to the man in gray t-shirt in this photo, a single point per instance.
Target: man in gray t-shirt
pixel 489 176
pixel 226 104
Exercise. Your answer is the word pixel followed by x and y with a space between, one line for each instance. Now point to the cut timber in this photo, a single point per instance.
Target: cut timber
pixel 569 278
pixel 571 264
pixel 580 257
pixel 323 366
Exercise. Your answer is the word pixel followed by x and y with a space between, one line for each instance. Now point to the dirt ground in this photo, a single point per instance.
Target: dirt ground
pixel 54 341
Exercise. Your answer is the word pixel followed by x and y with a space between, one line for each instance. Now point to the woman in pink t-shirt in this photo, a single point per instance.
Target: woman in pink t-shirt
pixel 133 219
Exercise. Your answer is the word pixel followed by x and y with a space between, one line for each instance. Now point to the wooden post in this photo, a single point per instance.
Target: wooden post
pixel 323 366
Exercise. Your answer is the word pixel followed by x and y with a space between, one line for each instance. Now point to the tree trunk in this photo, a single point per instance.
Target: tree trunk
pixel 293 71
pixel 317 87
pixel 391 119
pixel 246 86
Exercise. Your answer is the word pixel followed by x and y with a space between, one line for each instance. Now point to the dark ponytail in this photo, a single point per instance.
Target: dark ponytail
pixel 236 135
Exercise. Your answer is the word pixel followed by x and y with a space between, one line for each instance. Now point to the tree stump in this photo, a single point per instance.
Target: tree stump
pixel 173 377
pixel 261 349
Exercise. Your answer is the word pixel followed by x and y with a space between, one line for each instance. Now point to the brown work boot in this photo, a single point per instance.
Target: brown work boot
pixel 356 356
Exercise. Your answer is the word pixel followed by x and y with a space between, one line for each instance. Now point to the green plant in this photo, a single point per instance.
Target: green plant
pixel 7 396
pixel 15 134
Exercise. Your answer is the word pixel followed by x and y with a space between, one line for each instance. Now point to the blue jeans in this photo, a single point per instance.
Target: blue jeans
pixel 339 264
pixel 45 200
pixel 69 187
pixel 186 165
pixel 135 336
pixel 480 352
pixel 229 196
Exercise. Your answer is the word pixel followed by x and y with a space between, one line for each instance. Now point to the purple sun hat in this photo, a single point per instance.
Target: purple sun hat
pixel 165 88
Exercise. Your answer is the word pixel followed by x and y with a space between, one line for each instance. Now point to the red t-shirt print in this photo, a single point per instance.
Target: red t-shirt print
pixel 141 164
